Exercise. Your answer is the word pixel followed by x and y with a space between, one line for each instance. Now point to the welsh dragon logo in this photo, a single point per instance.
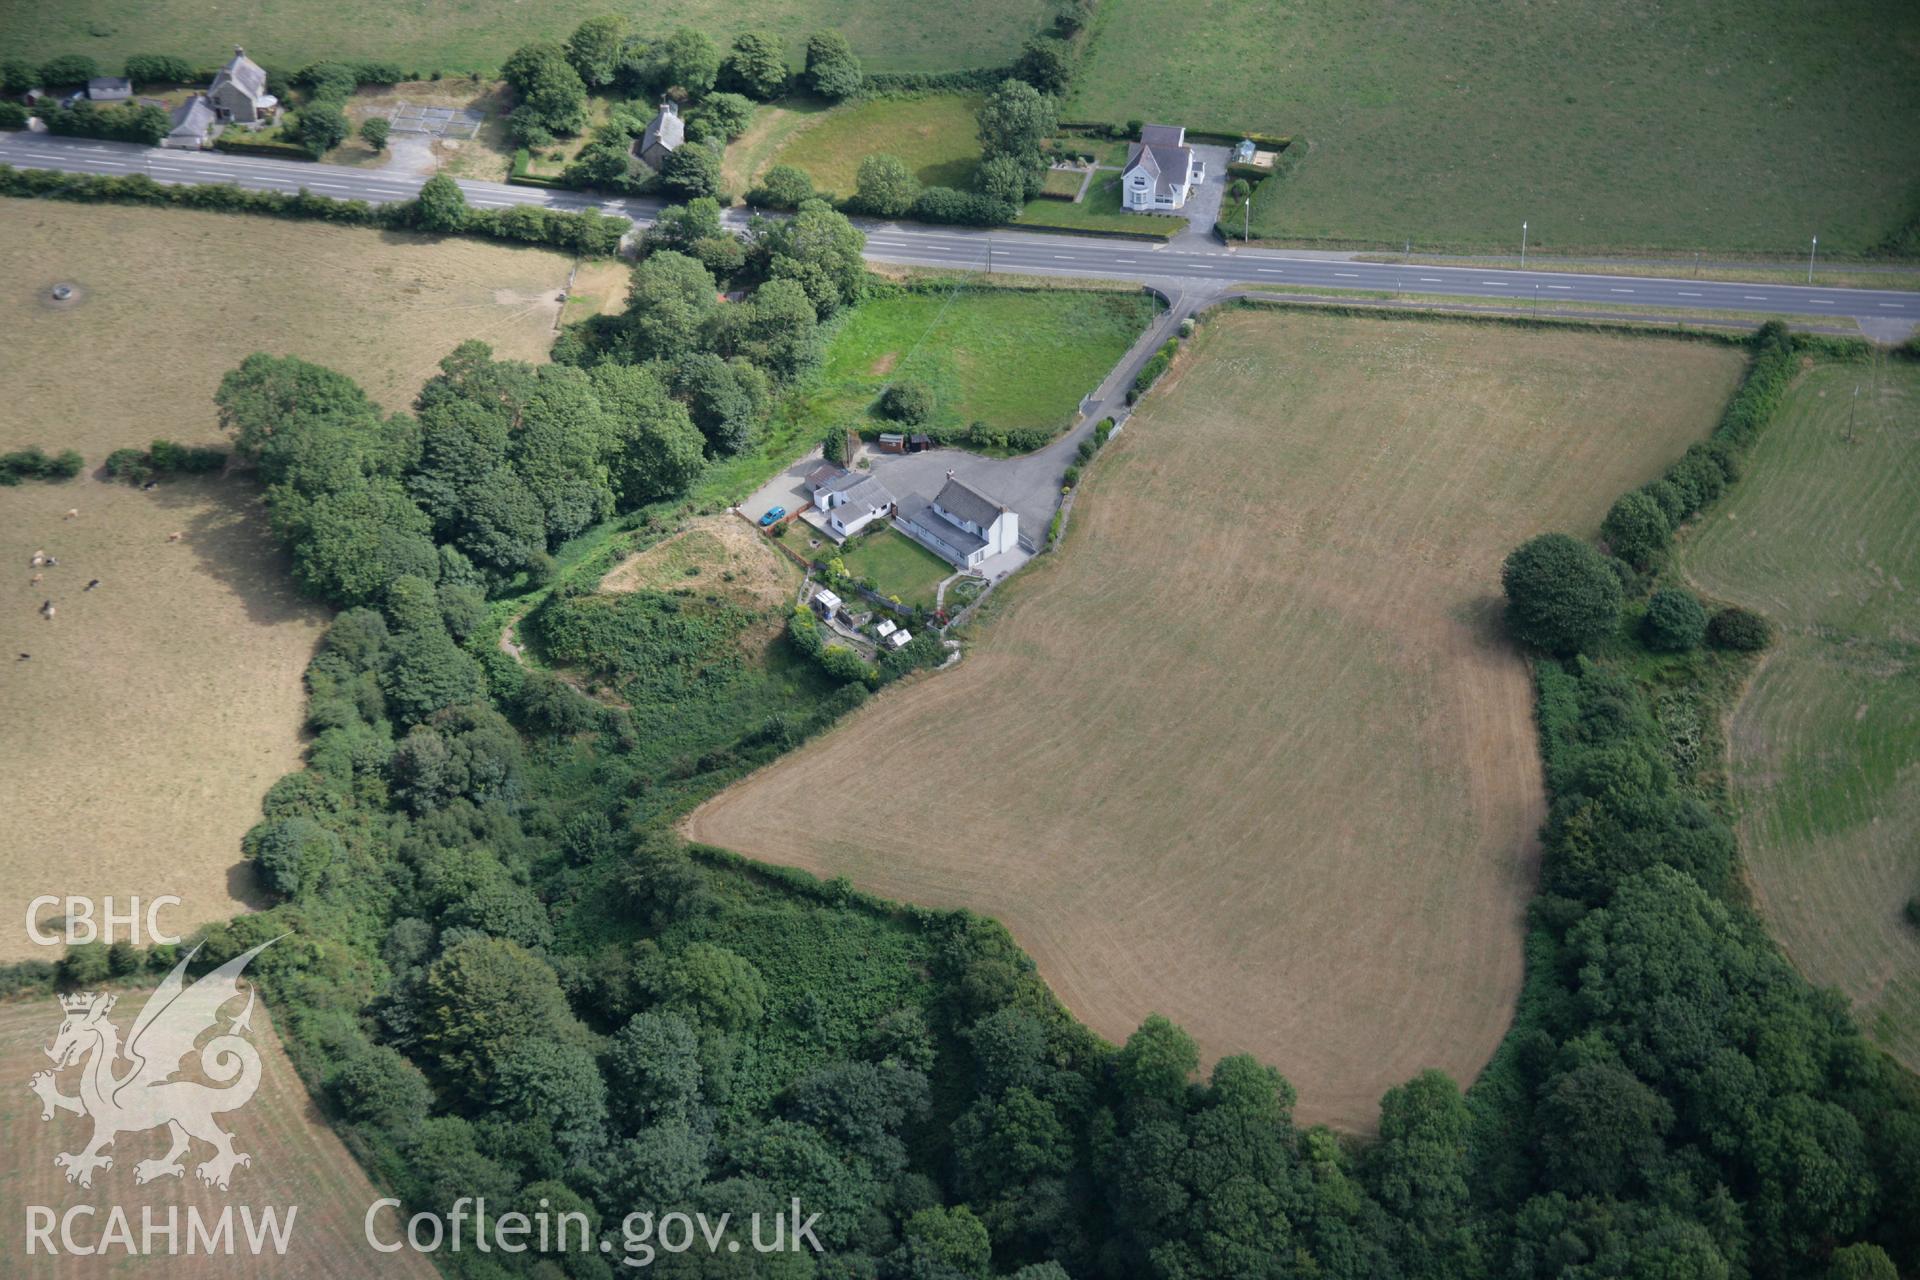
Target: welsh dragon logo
pixel 131 1089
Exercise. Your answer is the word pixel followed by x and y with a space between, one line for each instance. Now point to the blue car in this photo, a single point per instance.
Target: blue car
pixel 772 517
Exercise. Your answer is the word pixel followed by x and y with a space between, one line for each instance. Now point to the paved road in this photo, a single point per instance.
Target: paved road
pixel 1886 313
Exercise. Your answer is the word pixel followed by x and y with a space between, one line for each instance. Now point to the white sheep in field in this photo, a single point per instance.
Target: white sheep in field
pixel 72 513
pixel 39 558
pixel 34 581
pixel 175 537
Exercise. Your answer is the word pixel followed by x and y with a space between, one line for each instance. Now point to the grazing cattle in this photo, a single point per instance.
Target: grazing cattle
pixel 91 585
pixel 71 513
pixel 175 537
pixel 39 558
pixel 46 611
pixel 34 581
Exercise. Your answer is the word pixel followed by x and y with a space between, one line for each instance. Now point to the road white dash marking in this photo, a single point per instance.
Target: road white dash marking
pixel 1623 291
pixel 1346 275
pixel 1823 302
pixel 1268 271
pixel 1892 306
pixel 1497 284
pixel 1559 286
pixel 1430 280
pixel 1753 297
pixel 1685 294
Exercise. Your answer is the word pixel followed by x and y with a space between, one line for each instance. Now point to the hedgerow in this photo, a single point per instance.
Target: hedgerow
pixel 588 233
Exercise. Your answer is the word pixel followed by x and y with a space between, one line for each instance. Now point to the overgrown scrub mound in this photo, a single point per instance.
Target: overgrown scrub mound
pixel 1253 750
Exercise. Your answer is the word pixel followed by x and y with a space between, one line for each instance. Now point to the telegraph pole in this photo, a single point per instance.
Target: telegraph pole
pixel 1523 246
pixel 1815 248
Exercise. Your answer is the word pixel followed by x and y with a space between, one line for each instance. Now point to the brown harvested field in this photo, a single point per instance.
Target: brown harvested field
pixel 1252 752
pixel 154 711
pixel 297 1160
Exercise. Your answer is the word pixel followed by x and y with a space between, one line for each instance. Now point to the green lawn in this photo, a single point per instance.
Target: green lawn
pixel 1063 182
pixel 889 35
pixel 898 567
pixel 1719 125
pixel 936 135
pixel 1100 211
pixel 1007 357
pixel 1820 536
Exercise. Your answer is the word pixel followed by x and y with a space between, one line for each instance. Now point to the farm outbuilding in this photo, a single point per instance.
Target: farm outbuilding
pixel 827 603
pixel 892 442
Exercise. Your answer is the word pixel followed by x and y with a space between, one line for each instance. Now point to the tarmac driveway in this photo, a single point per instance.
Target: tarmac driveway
pixel 1203 202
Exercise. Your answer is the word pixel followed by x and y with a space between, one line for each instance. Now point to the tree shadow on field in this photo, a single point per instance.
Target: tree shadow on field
pixel 1485 619
pixel 224 527
pixel 243 886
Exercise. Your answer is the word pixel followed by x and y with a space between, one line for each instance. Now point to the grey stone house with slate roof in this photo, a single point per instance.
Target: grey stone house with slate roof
pixel 960 524
pixel 239 91
pixel 664 134
pixel 1160 169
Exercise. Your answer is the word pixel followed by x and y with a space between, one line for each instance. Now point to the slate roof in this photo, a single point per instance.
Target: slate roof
pixel 864 498
pixel 821 474
pixel 1169 164
pixel 968 503
pixel 664 134
pixel 109 88
pixel 918 512
pixel 1163 135
pixel 244 72
pixel 192 119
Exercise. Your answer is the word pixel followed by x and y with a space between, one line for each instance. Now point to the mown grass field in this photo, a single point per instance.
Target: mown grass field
pixel 1821 535
pixel 1253 751
pixel 1007 357
pixel 936 135
pixel 1606 124
pixel 157 709
pixel 477 35
pixel 899 567
pixel 297 1160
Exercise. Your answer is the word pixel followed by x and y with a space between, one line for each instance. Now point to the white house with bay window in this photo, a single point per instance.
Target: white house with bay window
pixel 1160 170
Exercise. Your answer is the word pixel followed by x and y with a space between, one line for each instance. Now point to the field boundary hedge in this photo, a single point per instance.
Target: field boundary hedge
pixel 588 233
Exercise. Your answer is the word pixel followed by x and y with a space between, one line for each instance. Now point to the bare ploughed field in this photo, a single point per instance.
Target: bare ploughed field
pixel 156 709
pixel 1252 751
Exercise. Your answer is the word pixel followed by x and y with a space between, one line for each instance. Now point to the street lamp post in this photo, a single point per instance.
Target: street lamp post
pixel 1523 246
pixel 1246 215
pixel 989 253
pixel 1811 250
